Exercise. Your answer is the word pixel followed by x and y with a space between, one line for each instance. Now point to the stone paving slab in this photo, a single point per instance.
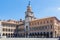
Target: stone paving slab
pixel 29 38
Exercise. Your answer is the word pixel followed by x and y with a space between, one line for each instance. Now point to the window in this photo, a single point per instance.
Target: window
pixel 40 22
pixel 11 30
pixel 51 21
pixel 26 27
pixel 44 22
pixel 9 34
pixel 35 23
pixel 46 27
pixel 31 23
pixel 20 29
pixel 3 34
pixel 51 26
pixel 6 34
pixel 3 25
pixel 47 21
pixel 42 27
pixel 3 29
pixel 55 33
pixel 8 30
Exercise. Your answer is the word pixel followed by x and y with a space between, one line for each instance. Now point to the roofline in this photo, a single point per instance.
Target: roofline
pixel 47 18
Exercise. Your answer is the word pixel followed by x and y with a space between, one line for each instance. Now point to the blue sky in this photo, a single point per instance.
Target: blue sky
pixel 15 9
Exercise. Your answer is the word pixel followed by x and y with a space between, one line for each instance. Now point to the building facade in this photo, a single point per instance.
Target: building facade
pixel 31 27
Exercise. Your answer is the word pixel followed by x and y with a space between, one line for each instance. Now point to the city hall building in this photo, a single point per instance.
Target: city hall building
pixel 31 27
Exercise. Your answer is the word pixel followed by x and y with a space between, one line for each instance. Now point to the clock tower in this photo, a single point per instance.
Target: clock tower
pixel 29 16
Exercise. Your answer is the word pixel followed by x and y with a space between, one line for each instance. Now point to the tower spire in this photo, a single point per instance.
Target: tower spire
pixel 29 3
pixel 29 7
pixel 29 13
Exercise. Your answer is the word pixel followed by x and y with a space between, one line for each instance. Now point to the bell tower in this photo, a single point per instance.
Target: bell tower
pixel 29 16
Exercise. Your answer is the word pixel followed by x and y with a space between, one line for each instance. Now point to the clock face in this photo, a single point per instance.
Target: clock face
pixel 29 14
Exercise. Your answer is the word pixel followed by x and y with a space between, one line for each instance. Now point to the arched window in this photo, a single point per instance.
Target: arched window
pixel 26 27
pixel 3 34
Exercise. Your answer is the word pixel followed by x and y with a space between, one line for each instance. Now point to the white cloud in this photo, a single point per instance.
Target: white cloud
pixel 58 8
